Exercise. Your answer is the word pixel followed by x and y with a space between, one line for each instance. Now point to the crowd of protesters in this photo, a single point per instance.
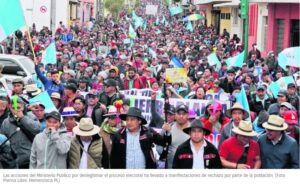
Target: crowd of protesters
pixel 94 65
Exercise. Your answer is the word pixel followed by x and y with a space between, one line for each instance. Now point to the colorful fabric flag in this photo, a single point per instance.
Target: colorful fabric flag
pixel 236 61
pixel 132 33
pixel 176 75
pixel 289 57
pixel 213 59
pixel 176 62
pixel 126 41
pixel 189 26
pixel 49 55
pixel 11 17
pixel 175 10
pixel 284 81
pixel 145 24
pixel 45 99
pixel 274 88
pixel 241 98
pixel 163 20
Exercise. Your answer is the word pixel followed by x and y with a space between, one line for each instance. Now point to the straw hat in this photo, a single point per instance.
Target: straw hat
pixel 112 111
pixel 237 106
pixel 275 123
pixel 69 111
pixel 86 128
pixel 32 89
pixel 245 128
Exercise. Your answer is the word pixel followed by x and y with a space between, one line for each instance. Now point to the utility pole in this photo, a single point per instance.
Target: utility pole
pixel 245 17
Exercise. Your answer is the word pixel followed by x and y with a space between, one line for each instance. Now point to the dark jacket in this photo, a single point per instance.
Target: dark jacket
pixel 147 137
pixel 257 106
pixel 228 87
pixel 97 114
pixel 3 117
pixel 183 158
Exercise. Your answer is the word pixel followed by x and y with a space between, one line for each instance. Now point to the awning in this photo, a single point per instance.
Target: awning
pixel 196 2
pixel 232 4
pixel 273 1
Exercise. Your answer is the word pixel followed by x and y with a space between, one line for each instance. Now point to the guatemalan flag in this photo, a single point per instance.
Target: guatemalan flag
pixel 175 62
pixel 11 17
pixel 236 61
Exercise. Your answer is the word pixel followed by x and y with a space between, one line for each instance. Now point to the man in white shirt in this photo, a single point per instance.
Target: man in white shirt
pixel 196 152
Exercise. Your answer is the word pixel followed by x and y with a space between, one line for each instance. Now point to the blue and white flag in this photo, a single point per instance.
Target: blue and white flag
pixel 49 55
pixel 44 99
pixel 241 98
pixel 289 57
pixel 189 27
pixel 175 62
pixel 175 10
pixel 213 59
pixel 11 17
pixel 236 61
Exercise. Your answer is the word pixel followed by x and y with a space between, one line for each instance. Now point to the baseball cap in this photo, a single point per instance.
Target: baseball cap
pixel 18 80
pixel 291 85
pixel 282 93
pixel 110 82
pixel 89 69
pixel 53 114
pixel 70 72
pixel 261 87
pixel 171 109
pixel 287 105
pixel 182 107
pixel 71 86
pixel 290 117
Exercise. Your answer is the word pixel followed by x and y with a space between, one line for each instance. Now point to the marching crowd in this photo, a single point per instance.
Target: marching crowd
pixel 94 125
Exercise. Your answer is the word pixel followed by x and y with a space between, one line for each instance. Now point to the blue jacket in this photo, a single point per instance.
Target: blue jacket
pixel 50 86
pixel 283 155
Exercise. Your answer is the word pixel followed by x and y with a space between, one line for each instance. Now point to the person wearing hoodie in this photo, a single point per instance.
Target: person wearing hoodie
pixel 50 148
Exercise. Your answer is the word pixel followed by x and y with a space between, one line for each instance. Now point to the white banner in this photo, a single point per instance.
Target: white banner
pixel 140 98
pixel 151 9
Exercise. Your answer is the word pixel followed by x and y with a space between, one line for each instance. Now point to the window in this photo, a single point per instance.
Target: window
pixel 228 16
pixel 264 32
pixel 10 68
pixel 235 13
pixel 223 16
pixel 280 35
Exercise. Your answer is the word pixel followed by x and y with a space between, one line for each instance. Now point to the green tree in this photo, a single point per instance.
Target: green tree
pixel 114 7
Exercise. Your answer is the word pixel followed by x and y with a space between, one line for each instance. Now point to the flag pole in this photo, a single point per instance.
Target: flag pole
pixel 30 40
pixel 31 44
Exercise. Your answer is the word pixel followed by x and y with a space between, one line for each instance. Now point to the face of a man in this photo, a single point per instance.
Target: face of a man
pixel 3 106
pixel 39 112
pixel 243 139
pixel 131 74
pixel 197 135
pixel 237 116
pixel 92 101
pixel 52 123
pixel 132 123
pixel 261 94
pixel 17 88
pixel 273 134
pixel 55 77
pixel 70 122
pixel 112 121
pixel 181 117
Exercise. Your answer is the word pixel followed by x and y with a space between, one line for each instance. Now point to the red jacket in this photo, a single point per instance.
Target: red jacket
pixel 137 83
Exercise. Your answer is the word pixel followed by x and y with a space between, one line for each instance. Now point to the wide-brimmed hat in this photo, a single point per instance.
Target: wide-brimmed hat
pixel 55 95
pixel 275 123
pixel 32 89
pixel 134 112
pixel 69 111
pixel 196 123
pixel 237 106
pixel 112 111
pixel 245 128
pixel 86 128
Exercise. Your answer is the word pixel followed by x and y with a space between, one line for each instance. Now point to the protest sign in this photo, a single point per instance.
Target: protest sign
pixel 141 99
pixel 176 75
pixel 151 9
